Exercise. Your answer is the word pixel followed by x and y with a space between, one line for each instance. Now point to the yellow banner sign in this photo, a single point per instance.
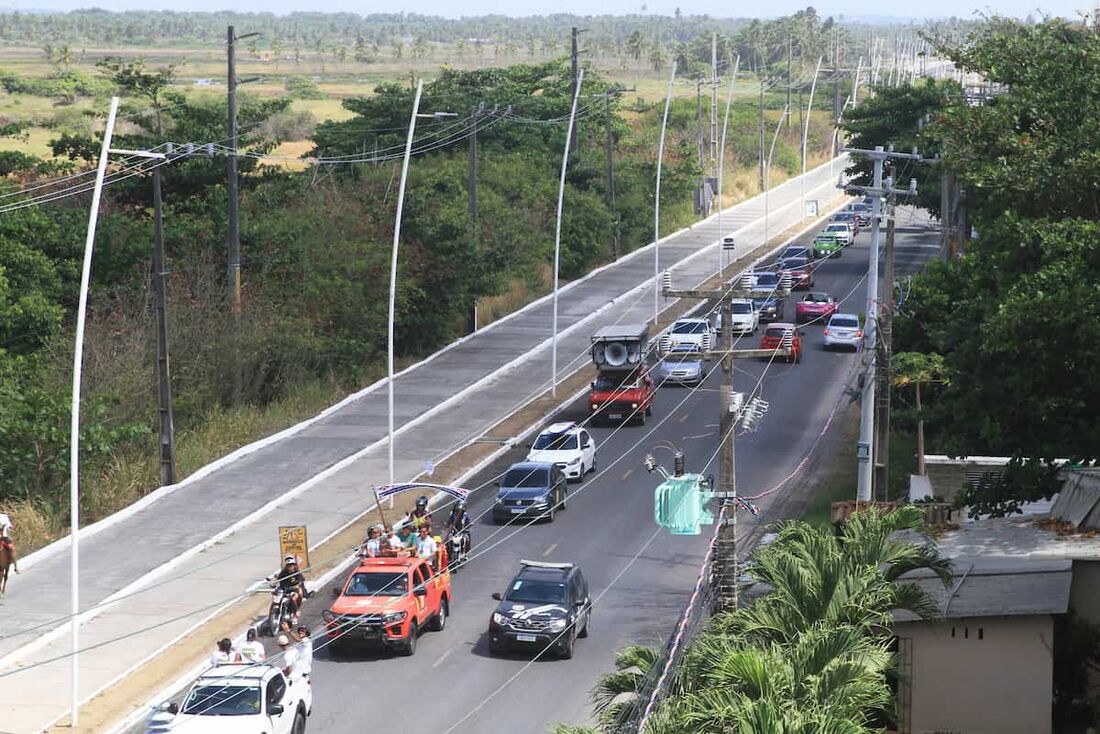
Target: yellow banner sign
pixel 293 542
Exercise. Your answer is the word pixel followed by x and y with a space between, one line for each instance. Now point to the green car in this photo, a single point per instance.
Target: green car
pixel 827 245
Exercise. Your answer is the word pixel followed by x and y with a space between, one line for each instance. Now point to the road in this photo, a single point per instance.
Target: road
pixel 640 578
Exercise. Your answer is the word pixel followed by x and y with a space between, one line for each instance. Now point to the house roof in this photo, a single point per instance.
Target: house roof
pixel 1041 587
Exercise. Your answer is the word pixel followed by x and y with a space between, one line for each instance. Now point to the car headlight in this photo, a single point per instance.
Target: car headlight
pixel 575 460
pixel 540 501
pixel 499 618
pixel 557 624
pixel 393 617
pixel 328 616
pixel 633 406
pixel 594 406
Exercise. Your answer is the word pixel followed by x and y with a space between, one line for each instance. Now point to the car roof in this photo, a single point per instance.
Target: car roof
pixel 814 294
pixel 531 465
pixel 839 315
pixel 563 427
pixel 780 324
pixel 539 572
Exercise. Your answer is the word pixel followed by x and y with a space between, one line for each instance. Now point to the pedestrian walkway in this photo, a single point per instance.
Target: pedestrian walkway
pixel 448 399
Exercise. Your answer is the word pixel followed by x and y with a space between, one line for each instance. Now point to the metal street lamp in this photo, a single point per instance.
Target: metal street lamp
pixel 768 171
pixel 806 135
pixel 657 201
pixel 557 236
pixel 722 165
pixel 393 259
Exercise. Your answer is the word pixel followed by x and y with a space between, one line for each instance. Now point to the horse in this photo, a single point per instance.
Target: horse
pixel 7 560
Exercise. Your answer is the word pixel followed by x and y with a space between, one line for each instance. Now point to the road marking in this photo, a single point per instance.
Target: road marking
pixel 549 550
pixel 684 417
pixel 442 657
pixel 626 474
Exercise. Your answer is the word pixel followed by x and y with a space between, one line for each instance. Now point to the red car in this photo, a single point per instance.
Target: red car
pixel 815 307
pixel 773 339
pixel 801 271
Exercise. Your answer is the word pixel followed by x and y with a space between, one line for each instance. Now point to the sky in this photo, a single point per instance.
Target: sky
pixel 449 8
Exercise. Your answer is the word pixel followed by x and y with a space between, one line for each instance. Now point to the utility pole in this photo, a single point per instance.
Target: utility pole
pixel 574 63
pixel 714 98
pixel 234 233
pixel 790 53
pixel 699 119
pixel 166 424
pixel 877 190
pixel 761 133
pixel 471 196
pixel 609 146
pixel 885 362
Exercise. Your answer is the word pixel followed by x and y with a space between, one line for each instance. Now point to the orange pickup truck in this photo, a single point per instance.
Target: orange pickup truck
pixel 387 602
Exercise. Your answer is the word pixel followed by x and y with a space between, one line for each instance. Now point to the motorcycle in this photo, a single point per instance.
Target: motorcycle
pixel 458 549
pixel 281 610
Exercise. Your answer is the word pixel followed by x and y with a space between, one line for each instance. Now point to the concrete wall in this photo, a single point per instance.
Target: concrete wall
pixel 983 675
pixel 1084 595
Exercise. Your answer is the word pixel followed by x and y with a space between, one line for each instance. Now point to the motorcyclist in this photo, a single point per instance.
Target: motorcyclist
pixel 458 523
pixel 420 515
pixel 290 579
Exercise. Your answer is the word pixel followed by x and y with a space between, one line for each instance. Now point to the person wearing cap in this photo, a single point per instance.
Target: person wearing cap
pixel 290 579
pixel 289 657
pixel 224 653
pixel 420 515
pixel 252 651
pixel 407 538
pixel 305 650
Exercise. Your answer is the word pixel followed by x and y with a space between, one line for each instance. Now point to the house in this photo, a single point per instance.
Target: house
pixel 987 667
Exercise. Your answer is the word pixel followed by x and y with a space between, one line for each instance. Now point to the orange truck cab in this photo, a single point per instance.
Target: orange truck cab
pixel 387 602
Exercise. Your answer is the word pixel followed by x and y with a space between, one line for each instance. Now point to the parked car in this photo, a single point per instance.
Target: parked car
pixel 773 339
pixel 545 607
pixel 843 330
pixel 620 395
pixel 239 699
pixel 744 318
pixel 841 231
pixel 769 307
pixel 698 334
pixel 801 272
pixel 567 445
pixel 815 307
pixel 387 602
pixel 530 489
pixel 683 365
pixel 827 244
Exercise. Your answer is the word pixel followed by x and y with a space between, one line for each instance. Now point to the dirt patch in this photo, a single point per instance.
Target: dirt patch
pixel 118 701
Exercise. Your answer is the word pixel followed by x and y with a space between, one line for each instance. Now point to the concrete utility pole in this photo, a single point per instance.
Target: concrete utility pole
pixel 730 411
pixel 699 121
pixel 877 190
pixel 165 420
pixel 790 54
pixel 609 146
pixel 471 187
pixel 714 98
pixel 761 133
pixel 884 358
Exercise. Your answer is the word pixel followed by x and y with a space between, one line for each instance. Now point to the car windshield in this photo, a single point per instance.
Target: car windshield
pixel 526 478
pixel 616 381
pixel 689 327
pixel 774 332
pixel 795 252
pixel 767 279
pixel 796 262
pixel 677 357
pixel 842 217
pixel 556 442
pixel 844 322
pixel 374 583
pixel 222 700
pixel 816 298
pixel 536 591
pixel 836 228
pixel 741 307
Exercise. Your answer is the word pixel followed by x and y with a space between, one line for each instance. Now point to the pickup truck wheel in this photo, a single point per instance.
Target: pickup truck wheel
pixel 299 726
pixel 592 468
pixel 550 513
pixel 440 620
pixel 640 417
pixel 649 409
pixel 409 648
pixel 587 624
pixel 567 649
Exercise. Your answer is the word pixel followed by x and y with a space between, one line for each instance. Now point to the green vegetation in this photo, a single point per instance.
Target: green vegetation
pixel 811 654
pixel 1015 320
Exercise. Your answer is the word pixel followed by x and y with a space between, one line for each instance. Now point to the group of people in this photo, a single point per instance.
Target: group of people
pixel 415 536
pixel 294 659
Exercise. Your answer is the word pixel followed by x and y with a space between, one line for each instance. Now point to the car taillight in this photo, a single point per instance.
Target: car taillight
pixel 859 334
pixel 826 332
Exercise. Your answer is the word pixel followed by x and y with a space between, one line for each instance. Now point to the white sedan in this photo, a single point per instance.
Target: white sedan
pixel 567 445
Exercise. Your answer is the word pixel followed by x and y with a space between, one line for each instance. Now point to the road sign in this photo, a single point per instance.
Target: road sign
pixel 811 207
pixel 293 542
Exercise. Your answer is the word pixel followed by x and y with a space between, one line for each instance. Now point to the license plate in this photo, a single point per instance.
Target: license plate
pixel 517 511
pixel 527 638
pixel 615 416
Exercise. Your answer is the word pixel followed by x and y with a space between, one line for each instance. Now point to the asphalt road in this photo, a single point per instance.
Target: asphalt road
pixel 640 578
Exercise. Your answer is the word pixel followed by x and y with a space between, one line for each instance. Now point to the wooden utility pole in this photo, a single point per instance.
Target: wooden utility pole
pixel 609 146
pixel 165 421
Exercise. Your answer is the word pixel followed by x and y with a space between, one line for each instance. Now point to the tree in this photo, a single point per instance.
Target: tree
pixel 913 369
pixel 657 56
pixel 622 692
pixel 132 78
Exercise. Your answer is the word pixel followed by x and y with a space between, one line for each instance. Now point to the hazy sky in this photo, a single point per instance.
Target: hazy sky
pixel 449 8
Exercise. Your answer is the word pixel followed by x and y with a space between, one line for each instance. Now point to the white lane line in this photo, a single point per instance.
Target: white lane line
pixel 442 657
pixel 549 550
pixel 684 417
pixel 626 474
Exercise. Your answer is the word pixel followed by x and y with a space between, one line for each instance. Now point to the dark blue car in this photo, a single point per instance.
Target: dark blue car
pixel 530 489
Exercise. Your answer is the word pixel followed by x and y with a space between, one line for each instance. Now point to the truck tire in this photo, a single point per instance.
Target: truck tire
pixel 440 620
pixel 299 726
pixel 409 648
pixel 567 649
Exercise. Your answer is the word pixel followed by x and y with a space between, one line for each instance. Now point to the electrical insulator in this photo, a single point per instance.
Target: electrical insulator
pixel 678 464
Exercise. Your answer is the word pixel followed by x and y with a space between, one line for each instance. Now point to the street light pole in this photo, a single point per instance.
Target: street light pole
pixel 768 173
pixel 557 236
pixel 393 262
pixel 74 424
pixel 806 135
pixel 722 163
pixel 657 201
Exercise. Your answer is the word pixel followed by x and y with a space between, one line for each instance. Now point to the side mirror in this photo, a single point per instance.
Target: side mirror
pixel 172 708
pixel 336 592
pixel 420 591
pixel 496 596
pixel 275 709
pixel 592 384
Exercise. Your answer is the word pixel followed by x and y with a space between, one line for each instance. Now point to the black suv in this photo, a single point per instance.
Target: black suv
pixel 530 488
pixel 545 607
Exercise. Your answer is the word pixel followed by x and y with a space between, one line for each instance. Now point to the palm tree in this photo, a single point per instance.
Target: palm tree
pixel 620 693
pixel 657 57
pixel 916 369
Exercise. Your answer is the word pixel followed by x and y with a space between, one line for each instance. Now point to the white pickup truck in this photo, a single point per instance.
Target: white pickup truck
pixel 238 699
pixel 696 334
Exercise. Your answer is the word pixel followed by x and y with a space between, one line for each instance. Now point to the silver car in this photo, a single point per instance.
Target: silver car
pixel 683 366
pixel 843 330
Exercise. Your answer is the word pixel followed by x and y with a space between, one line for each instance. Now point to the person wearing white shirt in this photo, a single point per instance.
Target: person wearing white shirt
pixel 291 658
pixel 393 541
pixel 224 654
pixel 252 651
pixel 426 547
pixel 5 525
pixel 305 652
